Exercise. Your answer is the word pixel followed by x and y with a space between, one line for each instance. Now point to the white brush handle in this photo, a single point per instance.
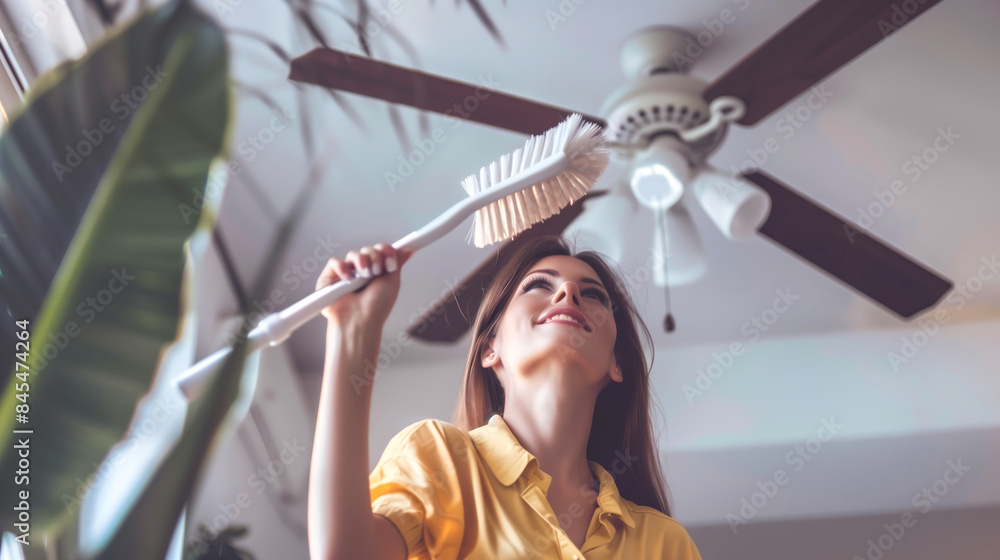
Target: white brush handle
pixel 277 327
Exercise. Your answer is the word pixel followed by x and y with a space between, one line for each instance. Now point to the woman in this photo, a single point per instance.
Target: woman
pixel 550 453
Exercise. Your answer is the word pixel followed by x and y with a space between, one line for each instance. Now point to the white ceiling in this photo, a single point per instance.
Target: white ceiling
pixel 886 107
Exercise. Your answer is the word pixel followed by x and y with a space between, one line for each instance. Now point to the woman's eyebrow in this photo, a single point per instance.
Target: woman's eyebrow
pixel 550 272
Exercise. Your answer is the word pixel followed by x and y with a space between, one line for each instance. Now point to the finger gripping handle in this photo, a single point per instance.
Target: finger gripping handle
pixel 279 326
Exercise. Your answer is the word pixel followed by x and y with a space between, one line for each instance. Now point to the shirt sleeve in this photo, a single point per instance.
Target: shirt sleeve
pixel 415 485
pixel 681 547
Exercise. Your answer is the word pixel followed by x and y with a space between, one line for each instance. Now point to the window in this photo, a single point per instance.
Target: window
pixel 35 36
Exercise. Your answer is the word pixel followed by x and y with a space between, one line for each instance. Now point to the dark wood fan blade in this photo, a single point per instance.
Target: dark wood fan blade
pixel 825 37
pixel 449 319
pixel 844 250
pixel 396 84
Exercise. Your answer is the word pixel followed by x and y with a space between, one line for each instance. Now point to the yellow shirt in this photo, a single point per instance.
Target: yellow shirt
pixel 480 495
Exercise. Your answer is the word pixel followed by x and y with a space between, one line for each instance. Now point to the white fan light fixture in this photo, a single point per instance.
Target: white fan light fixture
pixel 677 238
pixel 736 206
pixel 660 173
pixel 661 124
pixel 598 227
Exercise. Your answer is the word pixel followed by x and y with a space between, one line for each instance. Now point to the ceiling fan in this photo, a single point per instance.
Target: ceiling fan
pixel 667 123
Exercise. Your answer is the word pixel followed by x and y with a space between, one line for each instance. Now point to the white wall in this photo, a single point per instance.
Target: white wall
pixel 899 430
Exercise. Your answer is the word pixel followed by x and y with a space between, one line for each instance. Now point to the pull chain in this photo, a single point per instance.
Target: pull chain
pixel 661 216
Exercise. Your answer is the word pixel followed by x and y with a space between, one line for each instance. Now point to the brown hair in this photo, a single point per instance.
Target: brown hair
pixel 621 427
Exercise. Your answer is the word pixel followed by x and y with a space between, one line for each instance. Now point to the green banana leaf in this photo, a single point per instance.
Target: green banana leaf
pixel 53 155
pixel 146 528
pixel 114 303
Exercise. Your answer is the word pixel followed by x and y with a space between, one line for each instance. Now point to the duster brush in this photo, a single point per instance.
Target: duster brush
pixel 510 195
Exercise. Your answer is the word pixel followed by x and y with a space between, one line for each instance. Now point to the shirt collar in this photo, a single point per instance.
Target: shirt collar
pixel 508 460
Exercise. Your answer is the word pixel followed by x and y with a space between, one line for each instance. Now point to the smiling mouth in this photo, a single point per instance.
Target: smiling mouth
pixel 565 320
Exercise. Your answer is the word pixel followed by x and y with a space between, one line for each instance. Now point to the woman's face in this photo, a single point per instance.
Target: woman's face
pixel 525 343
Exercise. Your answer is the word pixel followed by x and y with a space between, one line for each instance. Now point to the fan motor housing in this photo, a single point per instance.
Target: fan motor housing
pixel 652 105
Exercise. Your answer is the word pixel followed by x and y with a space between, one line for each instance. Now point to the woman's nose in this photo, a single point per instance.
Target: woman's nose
pixel 568 290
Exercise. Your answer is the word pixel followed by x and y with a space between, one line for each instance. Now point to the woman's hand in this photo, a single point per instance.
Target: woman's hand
pixel 374 302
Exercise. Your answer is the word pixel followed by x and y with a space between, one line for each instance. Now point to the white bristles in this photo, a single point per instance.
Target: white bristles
pixel 581 141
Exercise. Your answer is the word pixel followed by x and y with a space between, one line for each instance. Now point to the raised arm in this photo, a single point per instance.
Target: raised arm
pixel 341 523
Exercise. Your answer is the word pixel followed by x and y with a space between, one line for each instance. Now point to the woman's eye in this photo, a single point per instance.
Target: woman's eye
pixel 534 283
pixel 598 295
pixel 594 293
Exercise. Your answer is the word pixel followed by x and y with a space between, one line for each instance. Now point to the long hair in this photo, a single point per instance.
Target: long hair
pixel 621 427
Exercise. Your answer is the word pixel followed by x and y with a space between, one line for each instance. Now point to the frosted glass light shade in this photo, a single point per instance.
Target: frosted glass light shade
pixel 736 206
